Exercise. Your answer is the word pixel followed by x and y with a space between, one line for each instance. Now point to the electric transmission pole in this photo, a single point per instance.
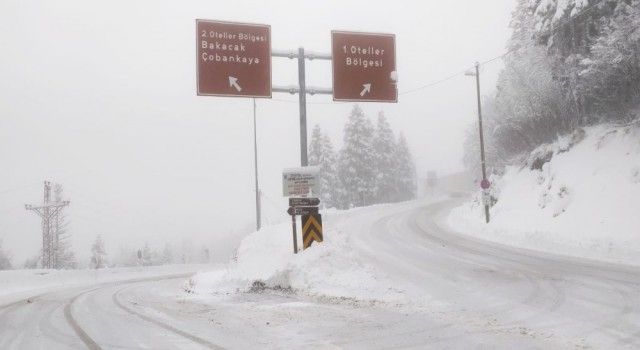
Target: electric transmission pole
pixel 48 211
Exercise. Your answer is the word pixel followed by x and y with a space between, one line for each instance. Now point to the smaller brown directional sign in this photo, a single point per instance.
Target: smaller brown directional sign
pixel 234 59
pixel 302 210
pixel 364 67
pixel 303 202
pixel 311 229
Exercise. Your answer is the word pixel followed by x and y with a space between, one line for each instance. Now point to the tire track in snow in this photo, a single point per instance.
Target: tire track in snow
pixel 161 324
pixel 91 343
pixel 20 302
pixel 68 315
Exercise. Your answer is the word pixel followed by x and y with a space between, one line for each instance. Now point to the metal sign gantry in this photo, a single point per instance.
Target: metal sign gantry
pixel 234 59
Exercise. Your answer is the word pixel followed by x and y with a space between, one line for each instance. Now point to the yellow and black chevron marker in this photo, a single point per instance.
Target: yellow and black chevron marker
pixel 311 229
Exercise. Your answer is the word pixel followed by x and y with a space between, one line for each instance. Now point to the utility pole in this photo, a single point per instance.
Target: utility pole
pixel 482 156
pixel 255 157
pixel 49 212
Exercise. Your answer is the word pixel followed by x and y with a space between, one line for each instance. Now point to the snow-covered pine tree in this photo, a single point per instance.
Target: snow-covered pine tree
pixel 405 171
pixel 573 34
pixel 167 255
pixel 356 165
pixel 321 154
pixel 331 173
pixel 65 257
pixel 5 259
pixel 522 26
pixel 98 254
pixel 147 255
pixel 384 147
pixel 611 75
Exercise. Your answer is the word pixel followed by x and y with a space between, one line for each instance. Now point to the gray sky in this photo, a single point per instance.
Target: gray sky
pixel 100 96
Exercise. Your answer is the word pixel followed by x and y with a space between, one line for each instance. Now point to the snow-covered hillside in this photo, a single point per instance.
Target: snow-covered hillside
pixel 579 196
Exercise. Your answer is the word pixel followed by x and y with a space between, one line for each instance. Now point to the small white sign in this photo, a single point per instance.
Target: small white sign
pixel 486 197
pixel 299 181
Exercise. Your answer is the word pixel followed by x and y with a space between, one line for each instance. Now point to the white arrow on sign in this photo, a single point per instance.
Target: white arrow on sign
pixel 234 82
pixel 367 88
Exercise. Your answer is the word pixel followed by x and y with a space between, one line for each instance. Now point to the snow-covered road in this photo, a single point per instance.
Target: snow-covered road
pixel 509 291
pixel 95 317
pixel 478 295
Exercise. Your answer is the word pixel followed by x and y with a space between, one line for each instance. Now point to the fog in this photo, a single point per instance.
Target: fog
pixel 101 97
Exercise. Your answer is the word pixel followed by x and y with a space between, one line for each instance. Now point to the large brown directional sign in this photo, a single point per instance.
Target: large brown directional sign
pixel 234 59
pixel 364 67
pixel 311 229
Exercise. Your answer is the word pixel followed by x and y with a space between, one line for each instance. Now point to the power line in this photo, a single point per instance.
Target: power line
pixel 434 83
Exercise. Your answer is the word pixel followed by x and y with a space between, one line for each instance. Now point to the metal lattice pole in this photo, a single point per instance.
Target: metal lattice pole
pixel 49 212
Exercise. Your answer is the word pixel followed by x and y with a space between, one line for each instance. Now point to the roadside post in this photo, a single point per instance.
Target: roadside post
pixel 484 183
pixel 295 234
pixel 298 184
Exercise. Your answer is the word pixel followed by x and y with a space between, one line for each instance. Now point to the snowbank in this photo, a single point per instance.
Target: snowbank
pixel 333 270
pixel 579 196
pixel 14 284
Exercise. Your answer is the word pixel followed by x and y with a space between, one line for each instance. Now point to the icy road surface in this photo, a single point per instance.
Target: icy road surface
pixel 482 296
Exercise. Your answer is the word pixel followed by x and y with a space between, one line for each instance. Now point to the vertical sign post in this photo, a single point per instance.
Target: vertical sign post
pixel 295 234
pixel 302 95
pixel 255 158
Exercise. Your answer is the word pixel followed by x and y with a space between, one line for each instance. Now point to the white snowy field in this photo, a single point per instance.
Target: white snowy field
pixel 585 201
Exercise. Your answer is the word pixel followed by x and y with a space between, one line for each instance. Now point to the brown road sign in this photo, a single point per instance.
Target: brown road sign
pixel 302 210
pixel 311 229
pixel 234 59
pixel 304 202
pixel 364 67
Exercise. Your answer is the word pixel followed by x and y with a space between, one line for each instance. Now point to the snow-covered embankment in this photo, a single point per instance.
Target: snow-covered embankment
pixel 335 270
pixel 579 196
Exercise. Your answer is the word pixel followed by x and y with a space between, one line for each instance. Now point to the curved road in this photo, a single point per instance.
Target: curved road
pixel 96 317
pixel 469 293
pixel 575 302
